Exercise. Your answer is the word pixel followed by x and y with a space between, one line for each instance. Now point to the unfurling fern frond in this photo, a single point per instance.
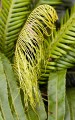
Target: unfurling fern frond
pixel 30 49
pixel 13 15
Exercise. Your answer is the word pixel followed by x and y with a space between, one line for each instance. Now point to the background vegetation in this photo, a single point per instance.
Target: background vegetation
pixel 37 59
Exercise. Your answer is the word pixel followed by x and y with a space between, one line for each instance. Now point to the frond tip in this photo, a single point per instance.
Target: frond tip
pixel 30 49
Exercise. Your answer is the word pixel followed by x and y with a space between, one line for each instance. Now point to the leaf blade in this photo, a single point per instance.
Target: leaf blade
pixel 4 94
pixel 14 91
pixel 71 101
pixel 56 95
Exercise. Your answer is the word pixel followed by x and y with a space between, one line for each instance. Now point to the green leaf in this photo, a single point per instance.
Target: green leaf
pixel 1 116
pixel 65 39
pixel 50 2
pixel 67 110
pixel 71 102
pixel 56 95
pixel 8 80
pixel 63 48
pixel 4 103
pixel 12 17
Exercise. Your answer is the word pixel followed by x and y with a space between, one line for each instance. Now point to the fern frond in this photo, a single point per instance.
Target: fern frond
pixel 30 49
pixel 64 40
pixel 12 17
pixel 57 4
pixel 50 2
pixel 67 61
pixel 62 49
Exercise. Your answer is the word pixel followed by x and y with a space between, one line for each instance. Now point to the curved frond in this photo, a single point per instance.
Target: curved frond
pixel 12 17
pixel 57 4
pixel 30 49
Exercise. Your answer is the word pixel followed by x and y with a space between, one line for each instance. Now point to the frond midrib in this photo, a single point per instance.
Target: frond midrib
pixel 59 35
pixel 7 22
pixel 12 21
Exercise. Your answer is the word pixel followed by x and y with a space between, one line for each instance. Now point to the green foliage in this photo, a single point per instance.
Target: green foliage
pixel 38 113
pixel 56 95
pixel 1 116
pixel 50 2
pixel 67 110
pixel 71 102
pixel 40 52
pixel 10 101
pixel 63 46
pixel 30 49
pixel 12 17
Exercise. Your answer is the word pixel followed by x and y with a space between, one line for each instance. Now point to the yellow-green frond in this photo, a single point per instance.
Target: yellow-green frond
pixel 30 49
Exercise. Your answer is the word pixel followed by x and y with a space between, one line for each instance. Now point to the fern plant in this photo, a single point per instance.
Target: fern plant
pixel 41 57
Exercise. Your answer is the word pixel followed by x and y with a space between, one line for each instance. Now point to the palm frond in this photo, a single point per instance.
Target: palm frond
pixel 50 2
pixel 62 49
pixel 12 17
pixel 57 4
pixel 30 49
